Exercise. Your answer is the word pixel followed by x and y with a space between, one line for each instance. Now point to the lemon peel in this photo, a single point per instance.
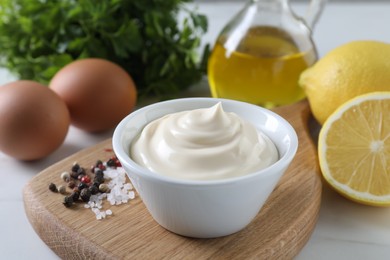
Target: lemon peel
pixel 347 71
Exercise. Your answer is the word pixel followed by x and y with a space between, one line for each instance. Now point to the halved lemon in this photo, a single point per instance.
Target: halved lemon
pixel 354 149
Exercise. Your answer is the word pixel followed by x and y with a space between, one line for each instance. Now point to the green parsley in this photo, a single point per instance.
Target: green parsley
pixel 145 37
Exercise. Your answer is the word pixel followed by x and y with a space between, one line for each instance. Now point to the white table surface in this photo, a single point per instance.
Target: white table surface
pixel 345 230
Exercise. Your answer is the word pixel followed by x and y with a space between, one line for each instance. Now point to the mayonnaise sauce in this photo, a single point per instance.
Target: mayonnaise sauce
pixel 203 144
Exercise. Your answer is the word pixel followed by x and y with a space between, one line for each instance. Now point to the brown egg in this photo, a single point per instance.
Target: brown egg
pixel 34 121
pixel 98 93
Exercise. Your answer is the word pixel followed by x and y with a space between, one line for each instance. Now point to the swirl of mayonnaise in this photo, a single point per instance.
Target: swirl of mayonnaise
pixel 203 144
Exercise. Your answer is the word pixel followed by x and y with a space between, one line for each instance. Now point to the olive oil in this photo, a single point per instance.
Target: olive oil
pixel 263 69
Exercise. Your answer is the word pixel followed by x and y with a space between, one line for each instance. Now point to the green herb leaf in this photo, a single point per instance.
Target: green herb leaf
pixel 146 38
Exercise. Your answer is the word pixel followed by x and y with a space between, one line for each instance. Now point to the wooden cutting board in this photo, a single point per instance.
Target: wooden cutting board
pixel 279 231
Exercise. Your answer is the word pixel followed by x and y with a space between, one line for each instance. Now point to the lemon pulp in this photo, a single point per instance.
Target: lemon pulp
pixel 354 149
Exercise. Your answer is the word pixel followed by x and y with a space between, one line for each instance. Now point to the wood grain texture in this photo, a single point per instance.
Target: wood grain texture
pixel 279 231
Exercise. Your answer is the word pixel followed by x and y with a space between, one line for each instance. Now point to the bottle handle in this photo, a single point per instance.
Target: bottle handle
pixel 314 12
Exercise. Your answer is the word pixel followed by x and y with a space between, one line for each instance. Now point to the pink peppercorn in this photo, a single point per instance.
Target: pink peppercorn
pixel 86 179
pixel 118 163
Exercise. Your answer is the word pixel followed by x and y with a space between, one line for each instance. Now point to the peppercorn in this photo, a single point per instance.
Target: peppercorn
pixel 118 163
pixel 85 194
pixel 82 186
pixel 71 184
pixel 86 179
pixel 53 187
pixel 103 188
pixel 98 162
pixel 111 163
pixel 102 167
pixel 75 195
pixel 75 167
pixel 76 171
pixel 68 201
pixel 96 184
pixel 65 176
pixel 80 176
pixel 93 189
pixel 98 180
pixel 62 189
pixel 99 177
pixel 74 175
pixel 81 170
pixel 99 173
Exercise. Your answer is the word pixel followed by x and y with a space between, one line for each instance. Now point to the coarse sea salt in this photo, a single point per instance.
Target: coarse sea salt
pixel 120 192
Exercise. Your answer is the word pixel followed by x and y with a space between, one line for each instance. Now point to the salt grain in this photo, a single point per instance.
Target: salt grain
pixel 131 194
pixel 128 186
pixel 120 192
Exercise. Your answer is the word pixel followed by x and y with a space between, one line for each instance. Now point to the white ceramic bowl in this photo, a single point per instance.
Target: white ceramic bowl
pixel 205 209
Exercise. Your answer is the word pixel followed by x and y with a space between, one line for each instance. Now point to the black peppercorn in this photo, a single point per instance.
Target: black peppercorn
pixel 99 173
pixel 75 195
pixel 96 184
pixel 93 189
pixel 85 194
pixel 76 171
pixel 81 170
pixel 111 163
pixel 99 180
pixel 68 201
pixel 82 186
pixel 74 175
pixel 53 187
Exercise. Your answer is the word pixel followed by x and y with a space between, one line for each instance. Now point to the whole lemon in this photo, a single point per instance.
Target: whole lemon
pixel 347 71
